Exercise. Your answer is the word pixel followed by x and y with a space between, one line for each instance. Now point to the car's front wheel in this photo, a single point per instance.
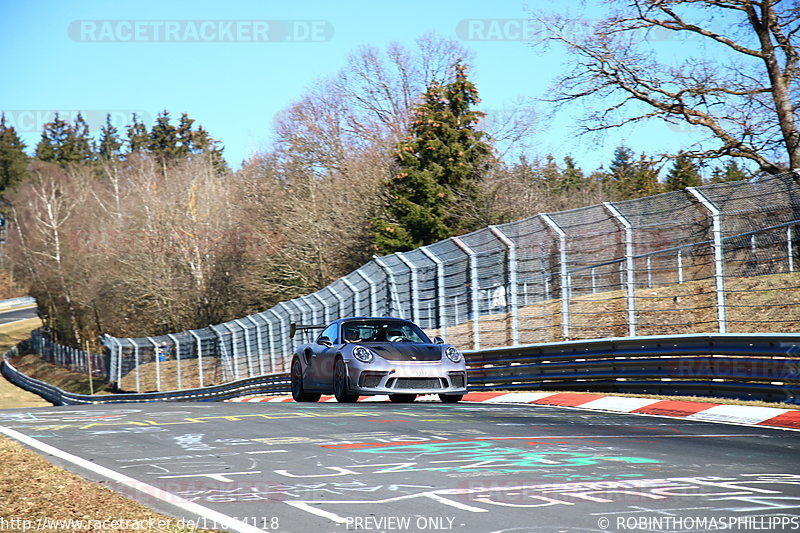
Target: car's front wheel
pixel 340 386
pixel 450 398
pixel 402 398
pixel 298 394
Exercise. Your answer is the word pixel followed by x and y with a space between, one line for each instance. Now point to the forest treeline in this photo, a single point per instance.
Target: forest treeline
pixel 148 230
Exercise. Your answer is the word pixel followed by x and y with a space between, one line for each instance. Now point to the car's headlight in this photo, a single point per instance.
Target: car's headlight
pixel 362 354
pixel 452 354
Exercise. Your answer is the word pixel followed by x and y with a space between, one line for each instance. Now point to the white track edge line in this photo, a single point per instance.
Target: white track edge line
pixel 220 519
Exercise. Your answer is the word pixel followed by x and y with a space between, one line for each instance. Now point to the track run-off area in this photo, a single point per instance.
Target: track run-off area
pixel 468 467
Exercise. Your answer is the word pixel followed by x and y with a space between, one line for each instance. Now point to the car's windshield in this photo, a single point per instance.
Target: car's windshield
pixel 383 331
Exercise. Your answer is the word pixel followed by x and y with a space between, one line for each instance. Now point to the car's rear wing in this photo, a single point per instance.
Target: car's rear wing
pixel 294 328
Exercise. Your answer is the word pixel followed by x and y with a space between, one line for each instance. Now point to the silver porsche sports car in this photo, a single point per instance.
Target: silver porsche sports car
pixel 365 356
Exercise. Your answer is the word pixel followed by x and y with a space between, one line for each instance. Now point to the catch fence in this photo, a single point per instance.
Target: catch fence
pixel 718 258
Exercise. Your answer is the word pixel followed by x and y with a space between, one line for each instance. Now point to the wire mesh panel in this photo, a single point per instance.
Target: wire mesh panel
pixel 537 279
pixel 672 240
pixel 595 248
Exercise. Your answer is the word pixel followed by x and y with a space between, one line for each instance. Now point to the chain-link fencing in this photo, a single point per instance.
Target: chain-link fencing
pixel 717 258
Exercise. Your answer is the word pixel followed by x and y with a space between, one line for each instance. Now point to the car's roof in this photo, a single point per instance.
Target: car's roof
pixel 371 318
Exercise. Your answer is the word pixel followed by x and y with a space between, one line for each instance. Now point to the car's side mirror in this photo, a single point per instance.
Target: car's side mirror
pixel 438 340
pixel 324 341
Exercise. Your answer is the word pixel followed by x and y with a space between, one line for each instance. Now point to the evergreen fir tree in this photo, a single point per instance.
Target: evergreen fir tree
pixel 13 160
pixel 54 136
pixel 437 168
pixel 78 145
pixel 682 174
pixel 549 173
pixel 138 138
pixel 645 178
pixel 186 137
pixel 730 171
pixel 572 177
pixel 109 148
pixel 622 173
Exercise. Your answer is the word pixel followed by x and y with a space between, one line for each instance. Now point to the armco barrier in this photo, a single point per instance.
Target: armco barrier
pixel 267 384
pixel 745 366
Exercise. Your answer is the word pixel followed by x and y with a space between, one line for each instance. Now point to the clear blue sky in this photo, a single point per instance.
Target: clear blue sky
pixel 235 89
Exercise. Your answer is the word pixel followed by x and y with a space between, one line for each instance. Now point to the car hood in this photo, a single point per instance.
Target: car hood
pixel 406 351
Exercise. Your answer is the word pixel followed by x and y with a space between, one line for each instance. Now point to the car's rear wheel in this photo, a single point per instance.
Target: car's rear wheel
pixel 451 398
pixel 298 394
pixel 402 398
pixel 340 386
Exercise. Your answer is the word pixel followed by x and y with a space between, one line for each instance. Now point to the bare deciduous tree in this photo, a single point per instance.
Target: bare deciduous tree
pixel 737 80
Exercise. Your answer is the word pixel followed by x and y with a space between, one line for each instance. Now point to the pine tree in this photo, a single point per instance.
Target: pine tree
pixel 730 171
pixel 437 168
pixel 138 138
pixel 203 143
pixel 78 145
pixel 572 177
pixel 13 160
pixel 682 174
pixel 54 135
pixel 645 178
pixel 186 137
pixel 109 148
pixel 622 176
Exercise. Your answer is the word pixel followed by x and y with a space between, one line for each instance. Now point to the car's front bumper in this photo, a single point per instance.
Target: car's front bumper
pixel 392 377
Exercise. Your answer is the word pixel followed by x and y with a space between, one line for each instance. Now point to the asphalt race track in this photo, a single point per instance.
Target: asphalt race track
pixel 14 315
pixel 432 467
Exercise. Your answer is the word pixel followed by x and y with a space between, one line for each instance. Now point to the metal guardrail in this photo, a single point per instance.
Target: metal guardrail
pixel 17 302
pixel 267 384
pixel 748 366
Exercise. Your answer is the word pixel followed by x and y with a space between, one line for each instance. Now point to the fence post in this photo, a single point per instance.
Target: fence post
pixel 565 288
pixel 247 347
pixel 719 266
pixel 155 357
pixel 790 248
pixel 287 341
pixel 415 315
pixel 473 269
pixel 234 349
pixel 119 363
pixel 680 266
pixel 177 358
pixel 199 356
pixel 629 265
pixel 512 280
pixel 325 313
pixel 259 343
pixel 394 298
pixel 223 354
pixel 440 291
pixel 136 363
pixel 313 310
pixel 356 303
pixel 339 300
pixel 303 310
pixel 273 355
pixel 373 293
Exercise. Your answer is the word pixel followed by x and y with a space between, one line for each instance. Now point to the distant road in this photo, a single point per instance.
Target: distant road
pixel 14 315
pixel 467 468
